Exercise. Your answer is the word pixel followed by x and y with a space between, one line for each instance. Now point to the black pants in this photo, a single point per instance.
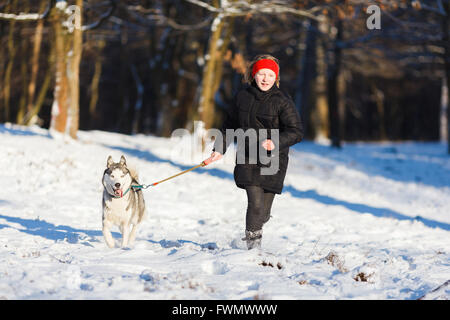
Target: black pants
pixel 258 209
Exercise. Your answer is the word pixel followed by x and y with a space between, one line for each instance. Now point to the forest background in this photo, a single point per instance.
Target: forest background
pixel 357 70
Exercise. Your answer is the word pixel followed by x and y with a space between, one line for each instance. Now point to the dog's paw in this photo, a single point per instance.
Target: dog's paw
pixel 110 244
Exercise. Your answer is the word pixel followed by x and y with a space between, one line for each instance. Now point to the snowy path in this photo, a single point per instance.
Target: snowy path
pixel 369 222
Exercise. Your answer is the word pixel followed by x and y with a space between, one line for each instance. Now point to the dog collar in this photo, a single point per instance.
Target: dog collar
pixel 117 197
pixel 135 187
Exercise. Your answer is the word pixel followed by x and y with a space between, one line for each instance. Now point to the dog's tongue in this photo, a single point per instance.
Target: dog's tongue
pixel 118 193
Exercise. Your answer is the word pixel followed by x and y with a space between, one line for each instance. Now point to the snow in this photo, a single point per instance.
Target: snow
pixel 370 221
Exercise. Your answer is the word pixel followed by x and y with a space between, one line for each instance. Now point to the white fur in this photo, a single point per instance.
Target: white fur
pixel 115 209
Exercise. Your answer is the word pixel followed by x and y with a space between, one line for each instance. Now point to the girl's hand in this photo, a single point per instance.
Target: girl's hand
pixel 268 145
pixel 214 157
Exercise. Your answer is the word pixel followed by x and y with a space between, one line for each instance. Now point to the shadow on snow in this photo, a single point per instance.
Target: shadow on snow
pixel 405 162
pixel 18 131
pixel 363 208
pixel 42 228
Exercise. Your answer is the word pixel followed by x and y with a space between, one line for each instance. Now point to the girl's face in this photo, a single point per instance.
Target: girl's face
pixel 265 78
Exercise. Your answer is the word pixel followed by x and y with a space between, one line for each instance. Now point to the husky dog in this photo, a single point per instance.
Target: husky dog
pixel 123 205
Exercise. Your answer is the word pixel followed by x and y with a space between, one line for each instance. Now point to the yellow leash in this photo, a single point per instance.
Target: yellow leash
pixel 182 172
pixel 143 186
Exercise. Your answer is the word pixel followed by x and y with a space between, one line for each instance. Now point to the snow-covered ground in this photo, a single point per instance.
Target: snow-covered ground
pixel 371 221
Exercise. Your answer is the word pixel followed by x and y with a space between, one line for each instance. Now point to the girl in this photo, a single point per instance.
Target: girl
pixel 261 105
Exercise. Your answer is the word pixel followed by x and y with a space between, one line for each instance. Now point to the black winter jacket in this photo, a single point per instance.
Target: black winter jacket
pixel 272 109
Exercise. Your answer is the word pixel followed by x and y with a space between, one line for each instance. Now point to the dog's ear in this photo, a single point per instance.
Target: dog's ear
pixel 123 162
pixel 109 162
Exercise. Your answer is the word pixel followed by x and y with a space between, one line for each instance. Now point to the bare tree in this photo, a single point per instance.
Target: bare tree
pixel 67 32
pixel 215 55
pixel 446 57
pixel 28 118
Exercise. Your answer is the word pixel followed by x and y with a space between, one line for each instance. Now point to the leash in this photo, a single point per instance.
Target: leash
pixel 145 186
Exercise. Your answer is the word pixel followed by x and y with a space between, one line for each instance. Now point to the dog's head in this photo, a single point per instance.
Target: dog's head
pixel 116 178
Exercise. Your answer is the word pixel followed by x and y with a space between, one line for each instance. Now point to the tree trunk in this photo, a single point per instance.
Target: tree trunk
pixel 95 84
pixel 23 75
pixel 139 98
pixel 33 115
pixel 122 112
pixel 333 89
pixel 167 83
pixel 34 66
pixel 446 41
pixel 319 116
pixel 193 112
pixel 68 49
pixel 229 26
pixel 2 70
pixel 206 108
pixel 74 76
pixel 378 96
pixel 61 90
pixel 443 124
pixel 9 67
pixel 304 94
pixel 187 85
pixel 341 89
pixel 162 49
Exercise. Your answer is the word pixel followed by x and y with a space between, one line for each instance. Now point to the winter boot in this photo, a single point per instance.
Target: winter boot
pixel 253 239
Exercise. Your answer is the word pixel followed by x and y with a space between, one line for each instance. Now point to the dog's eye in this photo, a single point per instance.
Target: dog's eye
pixel 122 176
pixel 112 176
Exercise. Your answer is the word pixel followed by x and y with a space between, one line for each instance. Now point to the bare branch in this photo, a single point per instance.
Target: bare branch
pixel 204 5
pixel 243 8
pixel 162 20
pixel 27 16
pixel 440 10
pixel 102 18
pixel 441 7
pixel 408 24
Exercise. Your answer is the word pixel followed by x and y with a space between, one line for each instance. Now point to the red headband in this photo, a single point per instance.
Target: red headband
pixel 265 64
